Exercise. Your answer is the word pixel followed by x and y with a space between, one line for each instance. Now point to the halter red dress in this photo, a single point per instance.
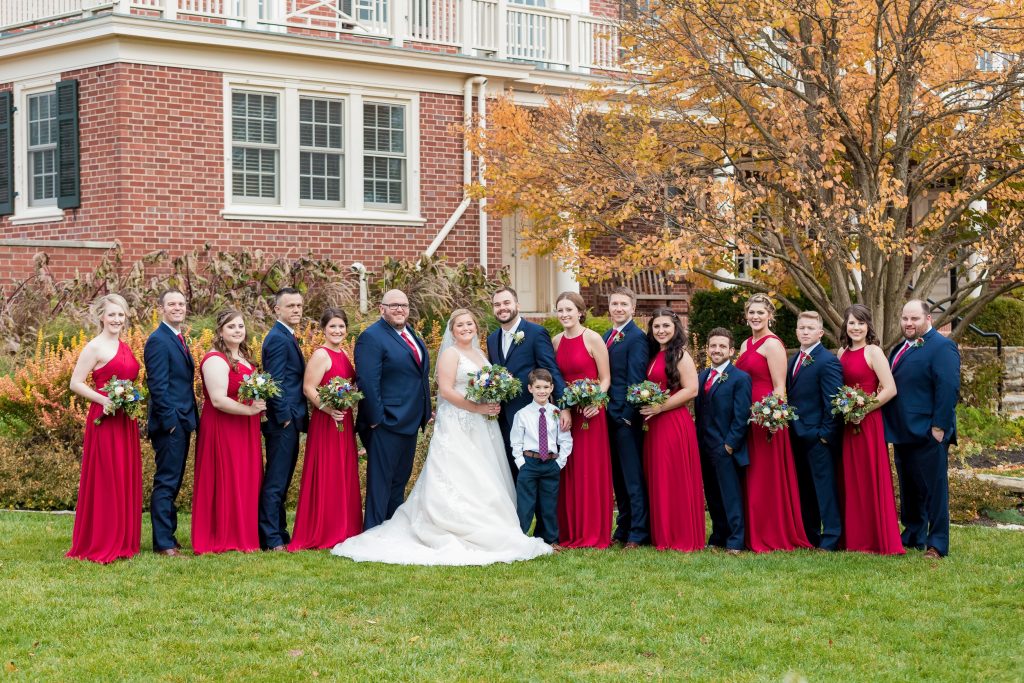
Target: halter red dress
pixel 870 523
pixel 108 515
pixel 772 510
pixel 585 491
pixel 330 508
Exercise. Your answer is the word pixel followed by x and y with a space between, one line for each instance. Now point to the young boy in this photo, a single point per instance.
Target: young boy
pixel 540 451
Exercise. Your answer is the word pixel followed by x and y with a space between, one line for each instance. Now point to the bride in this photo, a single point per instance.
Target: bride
pixel 462 509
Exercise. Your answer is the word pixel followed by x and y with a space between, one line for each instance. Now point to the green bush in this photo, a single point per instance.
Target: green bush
pixel 724 308
pixel 969 497
pixel 1004 315
pixel 979 379
pixel 598 323
pixel 987 428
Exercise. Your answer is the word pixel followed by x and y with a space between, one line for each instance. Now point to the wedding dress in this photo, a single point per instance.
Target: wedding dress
pixel 462 509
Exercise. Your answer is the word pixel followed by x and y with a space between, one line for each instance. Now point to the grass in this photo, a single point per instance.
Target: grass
pixel 580 615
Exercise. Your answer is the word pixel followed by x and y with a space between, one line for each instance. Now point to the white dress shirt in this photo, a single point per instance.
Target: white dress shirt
pixel 508 335
pixel 525 434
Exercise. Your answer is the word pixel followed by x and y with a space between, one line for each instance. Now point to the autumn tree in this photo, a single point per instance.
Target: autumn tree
pixel 867 149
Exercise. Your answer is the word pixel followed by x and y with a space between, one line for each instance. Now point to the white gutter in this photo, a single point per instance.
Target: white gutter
pixel 482 110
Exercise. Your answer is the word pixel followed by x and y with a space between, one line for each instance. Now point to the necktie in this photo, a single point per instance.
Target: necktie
pixel 711 380
pixel 799 364
pixel 542 436
pixel 612 337
pixel 412 345
pixel 906 345
pixel 181 338
pixel 506 342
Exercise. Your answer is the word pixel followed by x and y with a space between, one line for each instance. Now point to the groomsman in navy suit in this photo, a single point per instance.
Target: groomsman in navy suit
pixel 521 346
pixel 628 354
pixel 814 376
pixel 173 415
pixel 393 372
pixel 722 410
pixel 920 423
pixel 287 417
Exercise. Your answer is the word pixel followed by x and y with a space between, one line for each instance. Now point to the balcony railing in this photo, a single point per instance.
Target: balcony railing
pixel 492 28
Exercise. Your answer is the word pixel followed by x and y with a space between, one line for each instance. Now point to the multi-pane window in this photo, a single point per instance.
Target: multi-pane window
pixel 254 146
pixel 42 149
pixel 384 155
pixel 321 151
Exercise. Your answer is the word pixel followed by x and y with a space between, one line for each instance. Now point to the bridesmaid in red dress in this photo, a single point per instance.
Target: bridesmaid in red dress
pixel 229 459
pixel 870 523
pixel 330 508
pixel 108 516
pixel 585 491
pixel 675 489
pixel 772 498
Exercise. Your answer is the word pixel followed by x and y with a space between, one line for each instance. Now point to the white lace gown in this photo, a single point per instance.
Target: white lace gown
pixel 462 509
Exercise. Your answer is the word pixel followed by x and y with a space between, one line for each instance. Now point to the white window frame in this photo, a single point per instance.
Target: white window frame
pixel 259 146
pixel 385 154
pixel 25 212
pixel 289 207
pixel 313 149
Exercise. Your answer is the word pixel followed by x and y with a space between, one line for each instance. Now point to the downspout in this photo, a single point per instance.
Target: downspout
pixel 467 166
pixel 482 110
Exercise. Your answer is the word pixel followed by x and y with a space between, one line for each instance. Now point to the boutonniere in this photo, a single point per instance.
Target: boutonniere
pixel 807 360
pixel 619 336
pixel 518 337
pixel 918 343
pixel 721 378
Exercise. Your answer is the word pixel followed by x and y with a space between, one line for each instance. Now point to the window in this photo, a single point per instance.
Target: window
pixel 254 153
pixel 384 158
pixel 747 263
pixel 42 149
pixel 321 147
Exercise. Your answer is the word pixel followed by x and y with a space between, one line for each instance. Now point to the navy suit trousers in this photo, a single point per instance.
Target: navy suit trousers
pixel 819 498
pixel 389 458
pixel 171 451
pixel 723 491
pixel 537 493
pixel 626 441
pixel 924 494
pixel 282 447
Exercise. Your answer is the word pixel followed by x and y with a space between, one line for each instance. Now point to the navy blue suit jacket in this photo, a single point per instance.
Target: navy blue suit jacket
pixel 535 351
pixel 628 360
pixel 283 359
pixel 927 390
pixel 170 377
pixel 722 414
pixel 395 387
pixel 811 394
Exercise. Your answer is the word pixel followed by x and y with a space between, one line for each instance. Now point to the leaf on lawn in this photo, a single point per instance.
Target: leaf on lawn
pixel 704 640
pixel 830 642
pixel 414 639
pixel 294 653
pixel 371 621
pixel 646 654
pixel 10 668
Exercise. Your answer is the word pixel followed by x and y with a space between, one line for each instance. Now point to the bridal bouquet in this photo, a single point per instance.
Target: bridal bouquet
pixel 492 384
pixel 772 413
pixel 339 394
pixel 853 403
pixel 583 393
pixel 123 395
pixel 646 393
pixel 259 386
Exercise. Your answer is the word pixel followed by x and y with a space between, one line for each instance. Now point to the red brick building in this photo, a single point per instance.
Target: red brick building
pixel 283 125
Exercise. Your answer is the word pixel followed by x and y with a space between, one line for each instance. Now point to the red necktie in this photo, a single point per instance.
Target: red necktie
pixel 415 351
pixel 542 436
pixel 799 364
pixel 906 345
pixel 181 338
pixel 710 381
pixel 612 337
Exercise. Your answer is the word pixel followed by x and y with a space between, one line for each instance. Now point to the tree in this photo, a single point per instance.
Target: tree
pixel 865 148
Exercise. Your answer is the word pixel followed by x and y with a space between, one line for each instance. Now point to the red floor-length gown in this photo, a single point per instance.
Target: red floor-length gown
pixel 108 515
pixel 870 523
pixel 330 508
pixel 675 490
pixel 585 491
pixel 229 471
pixel 773 498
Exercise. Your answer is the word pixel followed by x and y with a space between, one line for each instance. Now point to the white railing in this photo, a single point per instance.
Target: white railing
pixel 492 28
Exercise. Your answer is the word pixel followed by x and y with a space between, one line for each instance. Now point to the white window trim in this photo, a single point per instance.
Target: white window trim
pixel 290 208
pixel 23 213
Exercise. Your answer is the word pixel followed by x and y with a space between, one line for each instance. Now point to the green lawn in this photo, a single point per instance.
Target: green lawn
pixel 579 615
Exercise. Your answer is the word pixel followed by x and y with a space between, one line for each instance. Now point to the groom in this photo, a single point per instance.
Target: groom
pixel 393 372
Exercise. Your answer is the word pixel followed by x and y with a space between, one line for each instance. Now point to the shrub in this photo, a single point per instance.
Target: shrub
pixel 980 372
pixel 1004 315
pixel 969 497
pixel 988 429
pixel 597 323
pixel 724 308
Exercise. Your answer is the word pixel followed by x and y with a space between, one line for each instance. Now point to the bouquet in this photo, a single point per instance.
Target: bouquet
pixel 339 394
pixel 123 395
pixel 492 384
pixel 646 393
pixel 853 403
pixel 772 413
pixel 258 386
pixel 583 393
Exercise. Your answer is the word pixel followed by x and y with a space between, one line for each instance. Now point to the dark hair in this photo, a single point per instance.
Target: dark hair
pixel 674 350
pixel 331 313
pixel 576 300
pixel 223 318
pixel 171 290
pixel 623 291
pixel 722 332
pixel 860 313
pixel 539 375
pixel 508 289
pixel 283 292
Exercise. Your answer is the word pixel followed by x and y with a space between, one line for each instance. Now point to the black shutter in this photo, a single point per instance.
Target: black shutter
pixel 69 186
pixel 6 154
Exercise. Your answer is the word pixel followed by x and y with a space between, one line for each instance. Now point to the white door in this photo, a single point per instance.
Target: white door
pixel 522 267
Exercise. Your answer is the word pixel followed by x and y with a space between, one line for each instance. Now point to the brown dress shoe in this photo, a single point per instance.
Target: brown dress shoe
pixel 733 551
pixel 932 554
pixel 170 552
pixel 631 546
pixel 279 549
pixel 557 548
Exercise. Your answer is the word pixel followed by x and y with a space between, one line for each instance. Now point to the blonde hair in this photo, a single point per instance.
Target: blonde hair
pixel 458 313
pixel 99 307
pixel 765 301
pixel 576 300
pixel 811 315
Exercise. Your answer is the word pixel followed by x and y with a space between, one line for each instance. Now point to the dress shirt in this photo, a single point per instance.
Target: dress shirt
pixel 290 330
pixel 506 337
pixel 811 347
pixel 175 331
pixel 523 436
pixel 411 341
